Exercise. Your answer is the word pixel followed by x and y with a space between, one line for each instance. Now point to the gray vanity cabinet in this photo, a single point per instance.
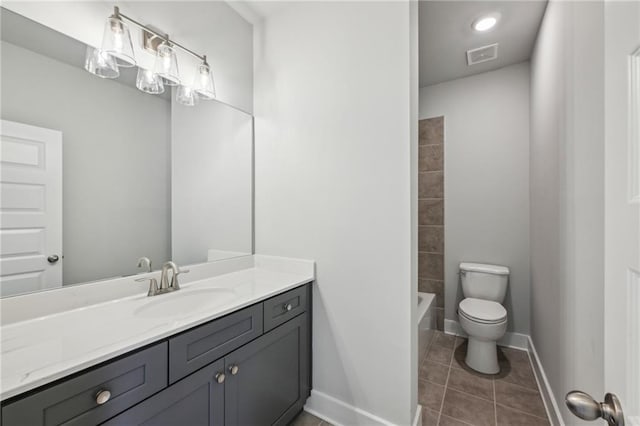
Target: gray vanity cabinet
pixel 271 380
pixel 94 396
pixel 197 400
pixel 248 368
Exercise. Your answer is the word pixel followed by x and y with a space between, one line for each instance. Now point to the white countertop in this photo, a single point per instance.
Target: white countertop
pixel 40 350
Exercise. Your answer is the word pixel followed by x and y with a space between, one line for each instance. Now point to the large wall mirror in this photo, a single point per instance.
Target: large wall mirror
pixel 97 174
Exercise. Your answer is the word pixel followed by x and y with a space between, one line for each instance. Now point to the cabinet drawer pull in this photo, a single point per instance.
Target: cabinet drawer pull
pixel 103 396
pixel 220 377
pixel 287 307
pixel 233 370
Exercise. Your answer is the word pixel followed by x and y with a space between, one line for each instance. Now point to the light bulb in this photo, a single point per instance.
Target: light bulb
pixel 485 23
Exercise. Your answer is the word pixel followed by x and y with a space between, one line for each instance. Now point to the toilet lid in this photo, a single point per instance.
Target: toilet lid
pixel 480 310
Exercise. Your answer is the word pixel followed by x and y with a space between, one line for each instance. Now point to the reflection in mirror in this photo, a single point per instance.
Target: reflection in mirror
pixel 87 168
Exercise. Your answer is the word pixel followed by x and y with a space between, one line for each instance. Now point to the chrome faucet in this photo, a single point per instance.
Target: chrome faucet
pixel 145 262
pixel 165 285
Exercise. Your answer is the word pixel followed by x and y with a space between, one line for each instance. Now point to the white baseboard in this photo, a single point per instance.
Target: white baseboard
pixel 417 420
pixel 340 413
pixel 510 339
pixel 553 411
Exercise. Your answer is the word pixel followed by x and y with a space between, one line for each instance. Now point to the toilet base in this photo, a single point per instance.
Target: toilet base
pixel 482 356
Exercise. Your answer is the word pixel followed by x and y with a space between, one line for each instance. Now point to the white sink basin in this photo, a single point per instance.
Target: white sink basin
pixel 184 302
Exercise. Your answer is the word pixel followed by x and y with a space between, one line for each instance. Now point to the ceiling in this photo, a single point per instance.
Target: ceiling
pixel 446 35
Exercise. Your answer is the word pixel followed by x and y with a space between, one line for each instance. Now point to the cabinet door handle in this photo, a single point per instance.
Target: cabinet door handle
pixel 220 377
pixel 287 307
pixel 233 369
pixel 103 396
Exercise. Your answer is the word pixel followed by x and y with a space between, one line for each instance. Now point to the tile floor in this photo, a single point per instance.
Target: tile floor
pixel 452 394
pixel 308 419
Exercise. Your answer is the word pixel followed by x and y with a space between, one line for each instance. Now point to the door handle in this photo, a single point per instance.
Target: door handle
pixel 584 406
pixel 53 259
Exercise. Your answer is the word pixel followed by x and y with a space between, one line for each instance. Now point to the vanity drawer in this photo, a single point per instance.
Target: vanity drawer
pixel 74 402
pixel 196 348
pixel 280 309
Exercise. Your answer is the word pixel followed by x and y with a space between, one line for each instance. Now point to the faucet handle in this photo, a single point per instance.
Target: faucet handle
pixel 153 285
pixel 174 278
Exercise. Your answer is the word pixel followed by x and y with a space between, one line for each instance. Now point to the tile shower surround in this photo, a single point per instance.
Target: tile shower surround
pixel 431 212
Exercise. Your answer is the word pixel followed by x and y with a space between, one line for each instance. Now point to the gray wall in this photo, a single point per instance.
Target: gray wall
pixel 116 180
pixel 567 198
pixel 334 183
pixel 486 175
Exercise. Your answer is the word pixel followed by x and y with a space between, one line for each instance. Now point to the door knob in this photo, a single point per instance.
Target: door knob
pixel 53 259
pixel 584 406
pixel 233 369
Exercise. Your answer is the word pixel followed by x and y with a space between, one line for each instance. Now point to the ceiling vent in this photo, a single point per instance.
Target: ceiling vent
pixel 482 54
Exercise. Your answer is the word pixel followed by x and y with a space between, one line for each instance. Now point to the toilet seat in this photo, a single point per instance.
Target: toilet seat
pixel 482 311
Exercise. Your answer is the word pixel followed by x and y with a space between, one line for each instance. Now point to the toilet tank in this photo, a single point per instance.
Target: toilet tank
pixel 482 281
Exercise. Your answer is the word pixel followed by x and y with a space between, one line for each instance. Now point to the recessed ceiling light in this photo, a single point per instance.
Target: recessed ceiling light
pixel 485 23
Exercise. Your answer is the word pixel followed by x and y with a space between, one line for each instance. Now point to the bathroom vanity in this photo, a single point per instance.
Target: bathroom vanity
pixel 244 358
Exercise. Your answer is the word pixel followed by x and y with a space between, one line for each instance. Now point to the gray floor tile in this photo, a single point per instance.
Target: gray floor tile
pixel 434 372
pixel 468 382
pixel 440 354
pixel 430 394
pixel 429 417
pixel 469 409
pixel 519 398
pixel 508 417
pixel 306 419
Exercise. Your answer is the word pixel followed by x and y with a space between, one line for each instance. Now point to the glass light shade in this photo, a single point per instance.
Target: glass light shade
pixel 100 63
pixel 203 82
pixel 116 41
pixel 149 82
pixel 166 65
pixel 186 96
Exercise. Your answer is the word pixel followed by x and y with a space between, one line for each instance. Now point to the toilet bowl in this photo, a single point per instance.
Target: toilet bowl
pixel 481 313
pixel 485 322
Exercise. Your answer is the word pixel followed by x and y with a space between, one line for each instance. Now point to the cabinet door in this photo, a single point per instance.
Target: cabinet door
pixel 197 400
pixel 271 382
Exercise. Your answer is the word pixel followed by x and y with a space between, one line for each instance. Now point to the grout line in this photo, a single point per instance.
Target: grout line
pixel 524 412
pixel 471 395
pixel 495 403
pixel 458 420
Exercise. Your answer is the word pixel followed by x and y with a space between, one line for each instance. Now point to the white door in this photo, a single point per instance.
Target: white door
pixel 30 208
pixel 622 205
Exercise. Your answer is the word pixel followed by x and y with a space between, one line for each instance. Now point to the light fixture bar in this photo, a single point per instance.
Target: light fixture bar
pixel 163 37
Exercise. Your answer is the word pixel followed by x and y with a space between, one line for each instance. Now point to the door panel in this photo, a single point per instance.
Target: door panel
pixel 30 208
pixel 622 204
pixel 271 383
pixel 197 400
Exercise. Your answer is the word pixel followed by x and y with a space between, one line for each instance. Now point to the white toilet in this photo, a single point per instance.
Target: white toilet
pixel 481 313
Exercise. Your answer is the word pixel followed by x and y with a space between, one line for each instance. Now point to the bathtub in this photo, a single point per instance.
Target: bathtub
pixel 426 322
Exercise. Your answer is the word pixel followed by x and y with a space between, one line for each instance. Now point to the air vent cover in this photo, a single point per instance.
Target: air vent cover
pixel 482 54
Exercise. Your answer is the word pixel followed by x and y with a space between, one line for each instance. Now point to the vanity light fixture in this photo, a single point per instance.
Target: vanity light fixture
pixel 149 82
pixel 116 40
pixel 485 23
pixel 100 63
pixel 117 51
pixel 203 81
pixel 166 65
pixel 186 96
